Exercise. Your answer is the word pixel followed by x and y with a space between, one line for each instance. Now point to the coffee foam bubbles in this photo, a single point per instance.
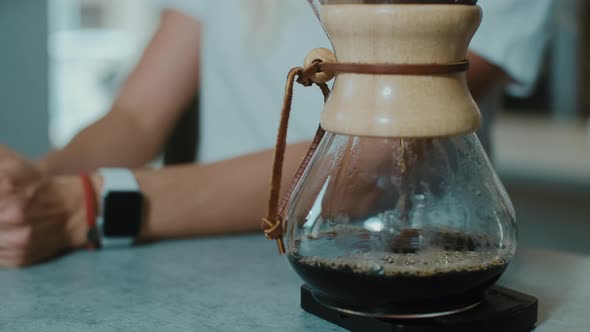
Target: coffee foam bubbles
pixel 422 263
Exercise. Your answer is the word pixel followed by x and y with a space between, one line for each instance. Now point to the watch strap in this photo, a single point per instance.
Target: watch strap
pixel 117 179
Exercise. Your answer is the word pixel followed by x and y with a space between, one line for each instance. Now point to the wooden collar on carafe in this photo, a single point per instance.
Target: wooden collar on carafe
pixel 407 2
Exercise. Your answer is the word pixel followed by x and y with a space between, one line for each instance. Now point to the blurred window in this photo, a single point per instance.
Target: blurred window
pixel 92 46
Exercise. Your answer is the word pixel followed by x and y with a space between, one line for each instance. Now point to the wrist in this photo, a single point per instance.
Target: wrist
pixel 146 233
pixel 72 195
pixel 42 166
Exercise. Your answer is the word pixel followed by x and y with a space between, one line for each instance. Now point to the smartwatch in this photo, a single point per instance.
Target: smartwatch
pixel 121 209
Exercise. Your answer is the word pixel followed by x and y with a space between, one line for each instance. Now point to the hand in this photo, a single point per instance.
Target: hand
pixel 40 216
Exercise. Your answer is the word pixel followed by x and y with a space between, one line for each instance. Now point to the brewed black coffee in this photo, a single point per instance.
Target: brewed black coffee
pixel 453 272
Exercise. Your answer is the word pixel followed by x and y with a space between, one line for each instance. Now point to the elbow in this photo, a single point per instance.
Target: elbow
pixel 144 141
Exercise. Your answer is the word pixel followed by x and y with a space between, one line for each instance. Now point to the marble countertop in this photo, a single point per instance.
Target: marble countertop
pixel 229 284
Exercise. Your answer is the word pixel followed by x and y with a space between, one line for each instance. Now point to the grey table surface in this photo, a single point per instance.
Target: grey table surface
pixel 228 284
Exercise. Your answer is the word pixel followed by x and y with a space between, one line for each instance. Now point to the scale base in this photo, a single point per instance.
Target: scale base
pixel 501 310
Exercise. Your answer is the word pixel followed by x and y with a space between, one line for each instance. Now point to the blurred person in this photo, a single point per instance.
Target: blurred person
pixel 508 49
pixel 240 50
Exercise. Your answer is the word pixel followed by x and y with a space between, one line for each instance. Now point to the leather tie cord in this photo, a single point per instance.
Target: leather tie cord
pixel 395 69
pixel 273 223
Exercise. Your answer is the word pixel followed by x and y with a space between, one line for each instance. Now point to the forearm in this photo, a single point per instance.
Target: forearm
pixel 149 104
pixel 225 197
pixel 115 140
pixel 222 198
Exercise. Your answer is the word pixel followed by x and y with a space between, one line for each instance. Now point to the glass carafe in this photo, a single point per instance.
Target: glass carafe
pixel 400 213
pixel 400 227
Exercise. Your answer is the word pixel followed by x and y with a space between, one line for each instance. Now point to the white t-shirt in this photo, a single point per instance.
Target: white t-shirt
pixel 245 64
pixel 513 35
pixel 244 70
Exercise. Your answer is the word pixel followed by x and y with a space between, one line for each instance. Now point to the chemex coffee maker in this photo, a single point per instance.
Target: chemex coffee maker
pixel 396 221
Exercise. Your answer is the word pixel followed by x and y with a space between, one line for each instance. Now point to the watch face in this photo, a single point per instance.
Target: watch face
pixel 122 214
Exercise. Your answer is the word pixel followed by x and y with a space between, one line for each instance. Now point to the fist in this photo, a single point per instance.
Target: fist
pixel 40 216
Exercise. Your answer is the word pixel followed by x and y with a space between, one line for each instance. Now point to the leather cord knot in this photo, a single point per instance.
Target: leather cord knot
pixel 273 229
pixel 306 74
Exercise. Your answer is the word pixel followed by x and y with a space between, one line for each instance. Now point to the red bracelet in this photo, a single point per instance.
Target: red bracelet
pixel 91 211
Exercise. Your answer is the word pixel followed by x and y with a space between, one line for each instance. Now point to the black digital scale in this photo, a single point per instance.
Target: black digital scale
pixel 502 310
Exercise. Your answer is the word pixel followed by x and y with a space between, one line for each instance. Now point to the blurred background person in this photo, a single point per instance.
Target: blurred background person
pixel 508 53
pixel 226 51
pixel 242 50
